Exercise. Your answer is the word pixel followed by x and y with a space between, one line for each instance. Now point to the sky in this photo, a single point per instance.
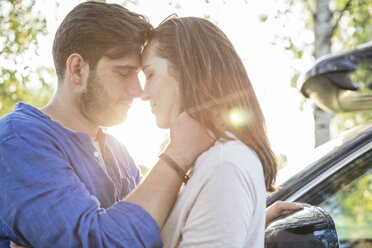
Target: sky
pixel 290 130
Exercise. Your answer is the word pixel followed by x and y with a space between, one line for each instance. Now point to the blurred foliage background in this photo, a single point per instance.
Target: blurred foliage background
pixel 20 30
pixel 350 25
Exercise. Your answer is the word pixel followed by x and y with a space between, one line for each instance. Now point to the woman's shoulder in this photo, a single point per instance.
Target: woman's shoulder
pixel 237 153
pixel 229 155
pixel 230 166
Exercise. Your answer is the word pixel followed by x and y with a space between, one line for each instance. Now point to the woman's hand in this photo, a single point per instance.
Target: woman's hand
pixel 281 208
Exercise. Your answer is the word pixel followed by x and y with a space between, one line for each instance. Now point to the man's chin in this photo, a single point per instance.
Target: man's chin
pixel 113 121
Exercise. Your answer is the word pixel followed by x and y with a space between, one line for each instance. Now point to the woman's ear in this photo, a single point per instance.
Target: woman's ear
pixel 220 120
pixel 76 67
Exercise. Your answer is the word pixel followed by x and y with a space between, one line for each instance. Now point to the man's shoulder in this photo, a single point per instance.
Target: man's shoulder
pixel 6 128
pixel 19 123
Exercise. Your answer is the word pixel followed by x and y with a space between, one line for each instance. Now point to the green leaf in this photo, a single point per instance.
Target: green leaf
pixel 18 33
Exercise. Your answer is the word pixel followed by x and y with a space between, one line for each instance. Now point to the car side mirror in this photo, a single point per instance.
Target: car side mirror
pixel 329 84
pixel 310 227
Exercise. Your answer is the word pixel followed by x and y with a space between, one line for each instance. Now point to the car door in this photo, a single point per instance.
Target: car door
pixel 347 196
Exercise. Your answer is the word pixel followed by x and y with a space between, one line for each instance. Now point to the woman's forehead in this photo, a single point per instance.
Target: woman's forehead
pixel 148 53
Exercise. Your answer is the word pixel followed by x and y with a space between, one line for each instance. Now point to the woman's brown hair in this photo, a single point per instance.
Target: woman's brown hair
pixel 214 84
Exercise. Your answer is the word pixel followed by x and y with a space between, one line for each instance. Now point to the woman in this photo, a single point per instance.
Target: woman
pixel 190 62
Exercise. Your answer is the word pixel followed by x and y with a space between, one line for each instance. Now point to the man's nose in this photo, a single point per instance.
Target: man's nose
pixel 135 88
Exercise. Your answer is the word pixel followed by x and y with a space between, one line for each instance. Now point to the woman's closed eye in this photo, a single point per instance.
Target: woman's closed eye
pixel 148 77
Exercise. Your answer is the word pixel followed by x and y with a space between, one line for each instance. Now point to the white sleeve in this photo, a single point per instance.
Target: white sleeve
pixel 220 216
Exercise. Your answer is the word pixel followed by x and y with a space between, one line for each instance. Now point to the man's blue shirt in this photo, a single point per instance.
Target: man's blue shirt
pixel 54 192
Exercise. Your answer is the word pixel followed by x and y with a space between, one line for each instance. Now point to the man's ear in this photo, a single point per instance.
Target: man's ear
pixel 76 68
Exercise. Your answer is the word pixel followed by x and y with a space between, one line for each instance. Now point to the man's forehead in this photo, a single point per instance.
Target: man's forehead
pixel 130 60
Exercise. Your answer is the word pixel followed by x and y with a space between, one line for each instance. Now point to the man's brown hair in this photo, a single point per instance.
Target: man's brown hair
pixel 214 85
pixel 95 29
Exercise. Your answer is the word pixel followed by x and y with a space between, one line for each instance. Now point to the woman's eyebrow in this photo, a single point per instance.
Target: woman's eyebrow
pixel 145 67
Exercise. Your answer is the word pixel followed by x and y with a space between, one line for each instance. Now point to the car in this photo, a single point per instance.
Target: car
pixel 336 179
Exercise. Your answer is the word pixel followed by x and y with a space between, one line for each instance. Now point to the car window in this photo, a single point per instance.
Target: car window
pixel 347 197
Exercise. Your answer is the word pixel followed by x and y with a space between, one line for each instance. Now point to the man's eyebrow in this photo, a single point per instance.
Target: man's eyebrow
pixel 130 67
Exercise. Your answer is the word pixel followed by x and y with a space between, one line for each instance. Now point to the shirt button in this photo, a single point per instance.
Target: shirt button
pixel 96 154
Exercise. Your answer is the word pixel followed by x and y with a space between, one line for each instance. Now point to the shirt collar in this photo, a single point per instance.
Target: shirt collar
pixel 101 134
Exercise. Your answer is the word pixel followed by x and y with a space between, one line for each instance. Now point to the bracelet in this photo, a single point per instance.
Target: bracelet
pixel 185 178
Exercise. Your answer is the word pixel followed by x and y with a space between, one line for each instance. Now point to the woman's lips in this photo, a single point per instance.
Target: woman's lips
pixel 153 106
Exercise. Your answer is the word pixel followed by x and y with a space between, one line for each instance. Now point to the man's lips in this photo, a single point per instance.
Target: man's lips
pixel 126 102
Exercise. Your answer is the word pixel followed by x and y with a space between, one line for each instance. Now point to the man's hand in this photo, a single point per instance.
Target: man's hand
pixel 281 208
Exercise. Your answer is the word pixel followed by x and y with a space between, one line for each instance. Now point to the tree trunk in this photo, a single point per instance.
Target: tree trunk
pixel 322 46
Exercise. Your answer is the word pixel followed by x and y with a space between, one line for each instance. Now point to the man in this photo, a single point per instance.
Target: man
pixel 64 182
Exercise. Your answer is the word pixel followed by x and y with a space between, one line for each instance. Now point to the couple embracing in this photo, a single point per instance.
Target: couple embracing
pixel 65 182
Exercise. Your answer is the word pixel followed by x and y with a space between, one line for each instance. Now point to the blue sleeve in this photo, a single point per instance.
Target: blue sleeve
pixel 44 203
pixel 4 243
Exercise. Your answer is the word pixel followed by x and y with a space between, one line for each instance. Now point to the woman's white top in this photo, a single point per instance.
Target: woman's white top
pixel 223 204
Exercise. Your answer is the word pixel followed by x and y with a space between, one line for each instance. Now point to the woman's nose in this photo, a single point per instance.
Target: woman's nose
pixel 145 95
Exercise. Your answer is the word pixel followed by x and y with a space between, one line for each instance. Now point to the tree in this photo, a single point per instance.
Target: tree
pixel 322 46
pixel 19 32
pixel 337 25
